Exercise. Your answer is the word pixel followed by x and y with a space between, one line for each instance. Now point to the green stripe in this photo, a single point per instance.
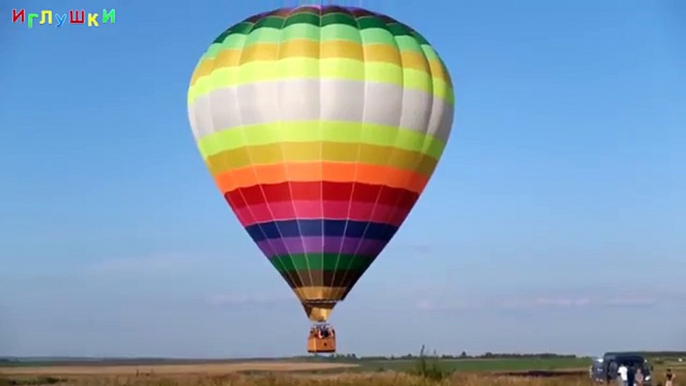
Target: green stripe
pixel 278 264
pixel 430 53
pixel 311 68
pixel 302 18
pixel 320 261
pixel 232 42
pixel 398 29
pixel 306 21
pixel 366 22
pixel 362 23
pixel 406 43
pixel 317 34
pixel 240 28
pixel 269 22
pixel 347 132
pixel 264 35
pixel 420 38
pixel 338 18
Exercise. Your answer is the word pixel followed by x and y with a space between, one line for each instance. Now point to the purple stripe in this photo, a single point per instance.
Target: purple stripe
pixel 313 244
pixel 266 248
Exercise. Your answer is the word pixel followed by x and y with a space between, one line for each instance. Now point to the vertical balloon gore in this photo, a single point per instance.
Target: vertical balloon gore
pixel 321 126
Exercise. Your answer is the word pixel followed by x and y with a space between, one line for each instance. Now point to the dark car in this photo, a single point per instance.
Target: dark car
pixel 613 360
pixel 597 371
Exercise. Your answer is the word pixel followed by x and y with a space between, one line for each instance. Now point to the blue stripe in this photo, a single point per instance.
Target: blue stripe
pixel 304 228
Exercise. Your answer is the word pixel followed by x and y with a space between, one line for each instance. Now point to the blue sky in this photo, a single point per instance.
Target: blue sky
pixel 558 206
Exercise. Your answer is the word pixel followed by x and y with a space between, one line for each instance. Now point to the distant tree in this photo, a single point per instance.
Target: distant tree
pixel 463 354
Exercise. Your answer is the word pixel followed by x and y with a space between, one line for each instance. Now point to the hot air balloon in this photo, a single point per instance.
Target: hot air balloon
pixel 321 126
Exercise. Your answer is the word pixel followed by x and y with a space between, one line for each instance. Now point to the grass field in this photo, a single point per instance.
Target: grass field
pixel 469 372
pixel 484 365
pixel 397 365
pixel 198 369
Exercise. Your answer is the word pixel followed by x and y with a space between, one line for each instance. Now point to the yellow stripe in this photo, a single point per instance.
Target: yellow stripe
pixel 305 48
pixel 308 131
pixel 331 68
pixel 321 151
pixel 319 293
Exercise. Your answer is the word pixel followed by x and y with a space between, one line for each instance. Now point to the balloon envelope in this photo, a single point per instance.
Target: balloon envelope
pixel 321 126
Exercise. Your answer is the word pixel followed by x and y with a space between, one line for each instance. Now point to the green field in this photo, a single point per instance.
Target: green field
pixel 481 365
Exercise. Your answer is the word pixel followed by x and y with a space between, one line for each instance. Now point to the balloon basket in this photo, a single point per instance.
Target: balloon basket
pixel 322 340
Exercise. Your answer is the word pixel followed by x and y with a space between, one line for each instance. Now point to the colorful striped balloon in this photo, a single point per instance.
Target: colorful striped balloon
pixel 321 127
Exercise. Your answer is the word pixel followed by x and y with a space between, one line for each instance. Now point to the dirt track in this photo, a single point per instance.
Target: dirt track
pixel 210 368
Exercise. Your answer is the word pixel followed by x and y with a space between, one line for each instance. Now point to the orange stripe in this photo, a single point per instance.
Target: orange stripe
pixel 326 50
pixel 205 68
pixel 437 70
pixel 320 171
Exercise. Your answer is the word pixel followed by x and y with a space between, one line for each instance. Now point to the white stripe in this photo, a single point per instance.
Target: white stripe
pixel 320 99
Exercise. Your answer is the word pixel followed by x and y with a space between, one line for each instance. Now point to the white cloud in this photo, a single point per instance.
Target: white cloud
pixel 562 302
pixel 241 299
pixel 540 302
pixel 631 301
pixel 426 305
pixel 155 264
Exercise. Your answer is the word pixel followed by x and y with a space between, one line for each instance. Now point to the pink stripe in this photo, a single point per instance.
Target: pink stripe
pixel 243 216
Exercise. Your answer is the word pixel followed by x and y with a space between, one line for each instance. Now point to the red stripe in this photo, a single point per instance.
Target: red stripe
pixel 330 210
pixel 321 191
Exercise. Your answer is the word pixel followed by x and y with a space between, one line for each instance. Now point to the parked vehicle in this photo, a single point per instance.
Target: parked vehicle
pixel 611 362
pixel 597 371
